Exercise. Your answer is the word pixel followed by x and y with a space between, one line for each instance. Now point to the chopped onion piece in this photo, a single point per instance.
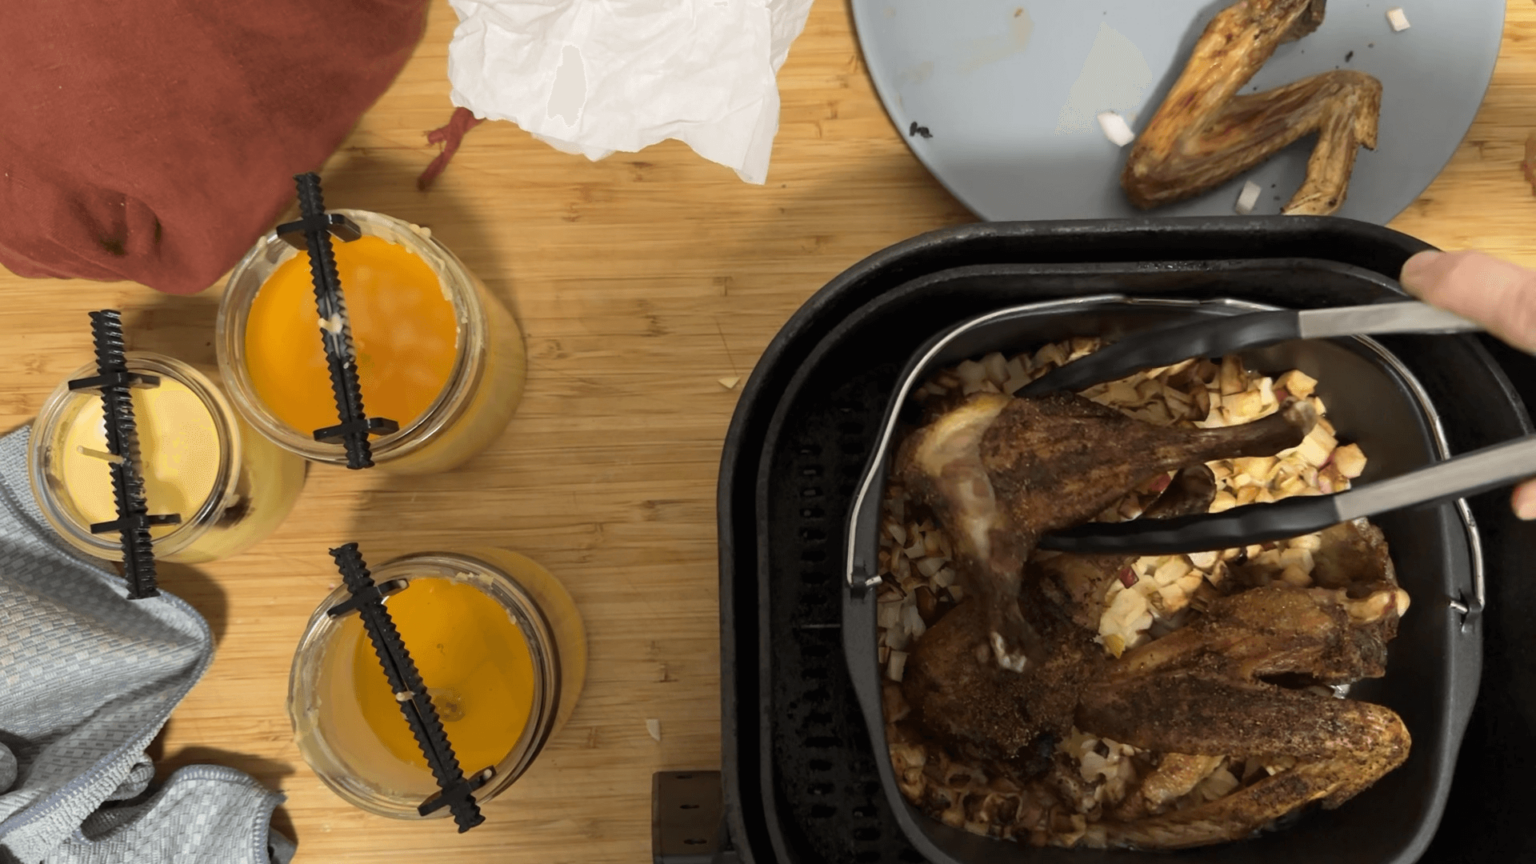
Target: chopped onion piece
pixel 1309 542
pixel 1203 560
pixel 1350 461
pixel 897 667
pixel 1296 577
pixel 971 372
pixel 1233 378
pixel 1297 383
pixel 1116 129
pixel 996 367
pixel 913 621
pixel 1297 557
pixel 653 726
pixel 1171 571
pixel 1249 198
pixel 1245 406
pixel 1397 19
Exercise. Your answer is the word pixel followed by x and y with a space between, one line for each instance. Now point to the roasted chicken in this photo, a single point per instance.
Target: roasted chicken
pixel 1205 132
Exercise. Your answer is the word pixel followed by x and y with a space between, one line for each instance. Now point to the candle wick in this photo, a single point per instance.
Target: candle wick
pixel 99 454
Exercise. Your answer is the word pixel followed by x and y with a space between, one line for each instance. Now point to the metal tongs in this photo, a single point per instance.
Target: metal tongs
pixel 1468 474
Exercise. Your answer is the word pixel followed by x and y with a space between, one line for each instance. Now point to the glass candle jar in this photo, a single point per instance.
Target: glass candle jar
pixel 435 351
pixel 230 486
pixel 499 645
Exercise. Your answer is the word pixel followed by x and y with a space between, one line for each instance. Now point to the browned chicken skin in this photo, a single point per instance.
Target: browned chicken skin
pixel 1201 691
pixel 961 697
pixel 985 711
pixel 999 472
pixel 1205 132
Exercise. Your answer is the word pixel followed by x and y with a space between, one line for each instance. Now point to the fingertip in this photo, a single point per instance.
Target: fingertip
pixel 1416 270
pixel 1525 501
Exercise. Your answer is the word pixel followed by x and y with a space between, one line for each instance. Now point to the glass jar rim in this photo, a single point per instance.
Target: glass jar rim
pixel 453 278
pixel 322 631
pixel 192 525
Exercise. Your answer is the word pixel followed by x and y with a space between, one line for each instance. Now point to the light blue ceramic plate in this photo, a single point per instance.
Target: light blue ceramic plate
pixel 1009 91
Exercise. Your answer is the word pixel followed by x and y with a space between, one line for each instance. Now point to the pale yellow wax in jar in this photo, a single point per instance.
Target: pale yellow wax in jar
pixel 178 454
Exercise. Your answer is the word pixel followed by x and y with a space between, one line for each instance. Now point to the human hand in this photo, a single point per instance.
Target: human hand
pixel 1496 294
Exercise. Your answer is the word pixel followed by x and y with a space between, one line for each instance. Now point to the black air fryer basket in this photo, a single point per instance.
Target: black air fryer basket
pixel 801 779
pixel 1432 673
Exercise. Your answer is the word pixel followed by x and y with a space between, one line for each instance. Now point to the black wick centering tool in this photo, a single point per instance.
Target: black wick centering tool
pixel 133 521
pixel 312 233
pixel 457 791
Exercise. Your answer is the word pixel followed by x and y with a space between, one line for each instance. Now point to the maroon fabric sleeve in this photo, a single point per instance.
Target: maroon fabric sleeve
pixel 156 140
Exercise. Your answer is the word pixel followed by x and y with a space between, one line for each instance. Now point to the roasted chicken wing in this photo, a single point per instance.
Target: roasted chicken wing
pixel 1205 132
pixel 1202 691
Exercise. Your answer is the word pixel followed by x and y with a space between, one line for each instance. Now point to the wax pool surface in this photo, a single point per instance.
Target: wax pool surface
pixel 404 330
pixel 474 661
pixel 178 449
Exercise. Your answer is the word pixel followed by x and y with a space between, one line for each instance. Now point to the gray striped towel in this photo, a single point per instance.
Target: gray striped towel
pixel 87 678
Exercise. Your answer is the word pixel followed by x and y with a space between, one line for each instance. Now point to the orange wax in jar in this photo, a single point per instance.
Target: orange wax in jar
pixel 474 661
pixel 500 646
pixel 404 330
pixel 436 352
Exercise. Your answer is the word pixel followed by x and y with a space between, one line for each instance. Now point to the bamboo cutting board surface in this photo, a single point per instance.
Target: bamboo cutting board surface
pixel 640 281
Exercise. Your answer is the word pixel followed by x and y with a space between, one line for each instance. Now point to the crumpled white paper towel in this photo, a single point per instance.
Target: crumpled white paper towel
pixel 598 76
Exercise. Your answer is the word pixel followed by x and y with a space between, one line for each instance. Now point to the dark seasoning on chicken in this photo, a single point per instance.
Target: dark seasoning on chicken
pixel 1101 701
